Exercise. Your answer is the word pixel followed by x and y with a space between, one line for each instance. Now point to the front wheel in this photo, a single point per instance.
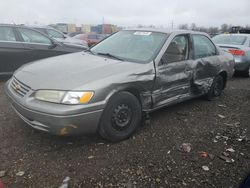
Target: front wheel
pixel 121 117
pixel 216 88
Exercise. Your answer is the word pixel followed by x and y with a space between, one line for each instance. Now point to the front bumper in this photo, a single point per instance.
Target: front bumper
pixel 58 124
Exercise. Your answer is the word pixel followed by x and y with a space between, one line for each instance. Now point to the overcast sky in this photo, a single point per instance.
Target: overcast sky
pixel 127 12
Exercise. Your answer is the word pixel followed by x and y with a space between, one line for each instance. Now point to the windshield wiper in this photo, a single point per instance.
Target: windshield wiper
pixel 110 55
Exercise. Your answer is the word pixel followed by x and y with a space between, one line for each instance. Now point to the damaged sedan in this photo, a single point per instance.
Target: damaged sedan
pixel 108 88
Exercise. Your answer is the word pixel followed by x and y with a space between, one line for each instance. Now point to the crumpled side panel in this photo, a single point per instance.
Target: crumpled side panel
pixel 204 72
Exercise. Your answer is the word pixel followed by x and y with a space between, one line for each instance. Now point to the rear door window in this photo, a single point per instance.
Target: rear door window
pixel 31 36
pixel 203 47
pixel 7 34
pixel 55 34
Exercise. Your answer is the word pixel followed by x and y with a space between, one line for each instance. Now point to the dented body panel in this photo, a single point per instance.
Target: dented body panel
pixel 155 84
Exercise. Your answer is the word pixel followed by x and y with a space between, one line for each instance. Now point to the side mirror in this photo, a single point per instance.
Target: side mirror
pixel 53 45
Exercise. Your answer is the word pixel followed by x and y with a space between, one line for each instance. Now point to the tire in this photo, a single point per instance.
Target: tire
pixel 121 117
pixel 216 88
pixel 246 73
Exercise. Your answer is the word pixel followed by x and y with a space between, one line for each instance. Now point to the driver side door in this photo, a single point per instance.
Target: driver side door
pixel 173 76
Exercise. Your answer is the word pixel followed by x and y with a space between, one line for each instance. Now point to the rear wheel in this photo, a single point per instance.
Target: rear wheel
pixel 121 117
pixel 246 73
pixel 216 88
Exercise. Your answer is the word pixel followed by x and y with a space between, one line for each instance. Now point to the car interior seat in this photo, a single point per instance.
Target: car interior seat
pixel 174 53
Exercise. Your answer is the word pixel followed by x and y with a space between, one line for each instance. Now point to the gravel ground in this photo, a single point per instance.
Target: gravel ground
pixel 153 157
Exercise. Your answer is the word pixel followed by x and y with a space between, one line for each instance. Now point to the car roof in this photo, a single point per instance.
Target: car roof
pixel 41 27
pixel 3 24
pixel 166 31
pixel 27 26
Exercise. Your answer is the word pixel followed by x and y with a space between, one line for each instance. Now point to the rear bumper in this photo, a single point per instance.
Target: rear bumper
pixel 241 66
pixel 66 124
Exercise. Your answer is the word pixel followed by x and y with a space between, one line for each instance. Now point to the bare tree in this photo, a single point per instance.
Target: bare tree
pixel 213 30
pixel 183 26
pixel 224 28
pixel 193 27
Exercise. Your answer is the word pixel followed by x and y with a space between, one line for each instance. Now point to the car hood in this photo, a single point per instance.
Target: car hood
pixel 71 71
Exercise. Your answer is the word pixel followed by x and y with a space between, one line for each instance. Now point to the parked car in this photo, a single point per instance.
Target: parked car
pixel 91 39
pixel 238 29
pixel 108 88
pixel 20 45
pixel 59 36
pixel 72 34
pixel 239 46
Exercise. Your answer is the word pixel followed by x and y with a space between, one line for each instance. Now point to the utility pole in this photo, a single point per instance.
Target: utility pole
pixel 172 24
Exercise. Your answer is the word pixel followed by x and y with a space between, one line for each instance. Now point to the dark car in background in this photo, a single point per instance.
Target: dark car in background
pixel 59 36
pixel 20 45
pixel 107 88
pixel 239 46
pixel 91 39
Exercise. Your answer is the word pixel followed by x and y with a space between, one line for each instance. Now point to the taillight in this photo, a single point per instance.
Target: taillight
pixel 237 52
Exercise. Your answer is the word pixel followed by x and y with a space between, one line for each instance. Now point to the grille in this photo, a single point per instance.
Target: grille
pixel 19 88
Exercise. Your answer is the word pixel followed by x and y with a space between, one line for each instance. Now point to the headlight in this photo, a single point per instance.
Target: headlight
pixel 70 97
pixel 50 95
pixel 76 97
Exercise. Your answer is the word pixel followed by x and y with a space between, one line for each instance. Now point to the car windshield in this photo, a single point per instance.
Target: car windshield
pixel 229 39
pixel 135 46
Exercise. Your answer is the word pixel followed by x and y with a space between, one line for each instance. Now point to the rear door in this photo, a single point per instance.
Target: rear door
pixel 206 63
pixel 39 45
pixel 173 79
pixel 12 51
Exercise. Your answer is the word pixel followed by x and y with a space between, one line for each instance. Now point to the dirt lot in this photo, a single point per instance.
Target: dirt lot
pixel 151 158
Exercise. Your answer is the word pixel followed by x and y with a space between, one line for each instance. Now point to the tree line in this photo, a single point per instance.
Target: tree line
pixel 224 28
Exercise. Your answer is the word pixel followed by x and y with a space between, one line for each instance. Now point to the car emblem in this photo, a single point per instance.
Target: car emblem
pixel 17 87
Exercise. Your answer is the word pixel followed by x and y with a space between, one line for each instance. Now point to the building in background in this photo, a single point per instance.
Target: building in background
pixel 78 29
pixel 64 27
pixel 71 28
pixel 86 28
pixel 96 29
pixel 114 28
pixel 106 29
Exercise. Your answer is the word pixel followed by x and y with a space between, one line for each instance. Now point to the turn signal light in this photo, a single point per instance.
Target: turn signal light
pixel 237 52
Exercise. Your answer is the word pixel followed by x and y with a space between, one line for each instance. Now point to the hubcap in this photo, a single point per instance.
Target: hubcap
pixel 121 117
